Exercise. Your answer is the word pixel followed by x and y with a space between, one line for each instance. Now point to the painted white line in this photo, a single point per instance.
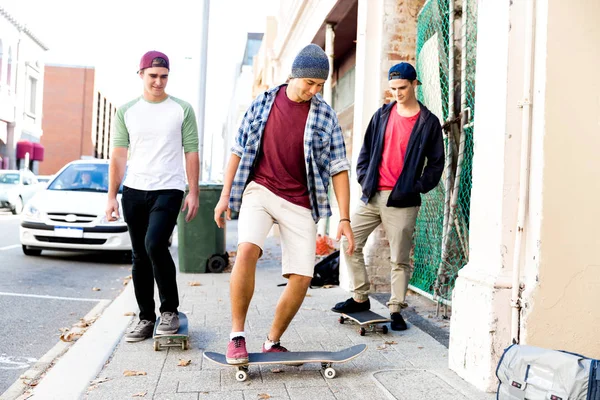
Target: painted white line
pixel 41 296
pixel 12 246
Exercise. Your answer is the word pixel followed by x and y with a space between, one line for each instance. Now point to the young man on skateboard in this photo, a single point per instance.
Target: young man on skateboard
pixel 393 174
pixel 288 147
pixel 156 129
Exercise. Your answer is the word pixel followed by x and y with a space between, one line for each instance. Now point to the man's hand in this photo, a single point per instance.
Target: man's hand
pixel 222 207
pixel 191 204
pixel 344 229
pixel 112 210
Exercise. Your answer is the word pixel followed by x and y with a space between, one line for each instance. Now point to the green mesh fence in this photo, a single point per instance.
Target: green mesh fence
pixel 435 272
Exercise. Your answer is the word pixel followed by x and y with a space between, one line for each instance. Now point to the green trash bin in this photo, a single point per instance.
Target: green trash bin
pixel 201 241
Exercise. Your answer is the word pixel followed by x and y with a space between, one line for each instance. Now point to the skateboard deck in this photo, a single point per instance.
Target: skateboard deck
pixel 178 339
pixel 326 358
pixel 368 320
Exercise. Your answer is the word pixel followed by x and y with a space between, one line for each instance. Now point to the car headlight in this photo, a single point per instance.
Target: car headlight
pixel 103 220
pixel 32 212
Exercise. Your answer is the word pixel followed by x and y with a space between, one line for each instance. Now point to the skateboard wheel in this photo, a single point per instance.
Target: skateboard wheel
pixel 184 345
pixel 329 373
pixel 156 346
pixel 241 375
pixel 384 329
pixel 362 331
pixel 341 320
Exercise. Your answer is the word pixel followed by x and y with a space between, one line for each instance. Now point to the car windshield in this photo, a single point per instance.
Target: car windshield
pixel 10 178
pixel 83 178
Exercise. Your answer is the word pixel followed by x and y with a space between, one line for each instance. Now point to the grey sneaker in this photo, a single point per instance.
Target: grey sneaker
pixel 143 330
pixel 169 323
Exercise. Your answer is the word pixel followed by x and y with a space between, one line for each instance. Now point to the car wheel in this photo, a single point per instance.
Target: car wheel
pixel 28 251
pixel 18 208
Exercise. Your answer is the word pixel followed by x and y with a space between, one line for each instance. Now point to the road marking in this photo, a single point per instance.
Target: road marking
pixel 41 296
pixel 12 246
pixel 10 362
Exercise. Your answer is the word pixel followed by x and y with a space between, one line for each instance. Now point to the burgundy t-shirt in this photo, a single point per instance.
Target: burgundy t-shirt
pixel 280 166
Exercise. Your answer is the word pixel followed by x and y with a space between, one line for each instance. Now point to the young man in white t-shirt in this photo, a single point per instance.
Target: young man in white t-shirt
pixel 156 129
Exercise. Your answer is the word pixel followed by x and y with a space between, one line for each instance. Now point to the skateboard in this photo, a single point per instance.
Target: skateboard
pixel 178 339
pixel 326 358
pixel 368 319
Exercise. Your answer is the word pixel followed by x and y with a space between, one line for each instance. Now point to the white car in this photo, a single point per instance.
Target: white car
pixel 16 188
pixel 69 213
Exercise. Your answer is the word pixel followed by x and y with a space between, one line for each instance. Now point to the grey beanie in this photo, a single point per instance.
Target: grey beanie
pixel 311 62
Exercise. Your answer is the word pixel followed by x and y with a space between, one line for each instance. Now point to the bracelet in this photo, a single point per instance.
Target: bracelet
pixel 345 219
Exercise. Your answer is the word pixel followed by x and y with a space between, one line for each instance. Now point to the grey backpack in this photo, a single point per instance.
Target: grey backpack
pixel 534 373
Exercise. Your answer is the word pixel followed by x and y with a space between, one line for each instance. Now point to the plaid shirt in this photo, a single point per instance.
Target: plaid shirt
pixel 324 150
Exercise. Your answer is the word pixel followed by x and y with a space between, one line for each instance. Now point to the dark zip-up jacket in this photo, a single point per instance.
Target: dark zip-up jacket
pixel 425 143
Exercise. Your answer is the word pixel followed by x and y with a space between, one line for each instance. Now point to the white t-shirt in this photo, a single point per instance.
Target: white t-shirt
pixel 156 134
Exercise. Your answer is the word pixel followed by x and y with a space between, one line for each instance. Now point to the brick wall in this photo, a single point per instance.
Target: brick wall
pixel 67 116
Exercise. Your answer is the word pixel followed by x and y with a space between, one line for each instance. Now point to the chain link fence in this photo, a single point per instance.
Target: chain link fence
pixel 448 76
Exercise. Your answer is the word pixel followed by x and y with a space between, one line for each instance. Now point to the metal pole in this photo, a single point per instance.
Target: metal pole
pixel 202 84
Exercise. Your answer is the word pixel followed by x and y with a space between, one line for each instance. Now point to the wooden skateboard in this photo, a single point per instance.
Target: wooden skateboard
pixel 326 358
pixel 368 320
pixel 179 339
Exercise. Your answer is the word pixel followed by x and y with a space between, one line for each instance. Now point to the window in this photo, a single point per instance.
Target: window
pixel 31 94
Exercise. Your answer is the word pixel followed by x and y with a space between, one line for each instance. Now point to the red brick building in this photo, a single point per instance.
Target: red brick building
pixel 77 118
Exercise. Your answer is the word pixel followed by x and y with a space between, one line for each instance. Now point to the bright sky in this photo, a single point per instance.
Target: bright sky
pixel 111 35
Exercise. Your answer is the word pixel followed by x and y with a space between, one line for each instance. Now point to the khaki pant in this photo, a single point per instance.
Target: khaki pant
pixel 399 225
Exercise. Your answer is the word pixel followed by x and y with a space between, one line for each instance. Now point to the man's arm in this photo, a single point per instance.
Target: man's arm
pixel 435 162
pixel 365 151
pixel 341 187
pixel 223 204
pixel 116 171
pixel 189 135
pixel 192 170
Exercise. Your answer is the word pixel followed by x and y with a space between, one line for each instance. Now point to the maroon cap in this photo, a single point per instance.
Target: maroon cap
pixel 146 61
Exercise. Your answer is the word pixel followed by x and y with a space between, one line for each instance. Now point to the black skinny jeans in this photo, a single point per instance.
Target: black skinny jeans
pixel 150 218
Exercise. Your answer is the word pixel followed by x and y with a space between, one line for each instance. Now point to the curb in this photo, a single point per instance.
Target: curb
pixel 23 383
pixel 86 358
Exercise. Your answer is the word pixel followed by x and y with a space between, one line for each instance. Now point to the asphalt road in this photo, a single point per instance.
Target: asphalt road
pixel 40 295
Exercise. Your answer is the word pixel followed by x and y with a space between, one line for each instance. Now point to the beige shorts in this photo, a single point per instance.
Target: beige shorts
pixel 260 209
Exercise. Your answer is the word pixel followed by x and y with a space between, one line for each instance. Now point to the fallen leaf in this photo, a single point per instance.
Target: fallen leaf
pixel 129 314
pixel 95 289
pixel 71 337
pixel 194 283
pixel 308 295
pixel 83 323
pixel 382 347
pixel 126 280
pixel 263 396
pixel 276 370
pixel 391 342
pixel 140 394
pixel 99 380
pixel 128 372
pixel 420 347
pixel 64 330
pixel 184 363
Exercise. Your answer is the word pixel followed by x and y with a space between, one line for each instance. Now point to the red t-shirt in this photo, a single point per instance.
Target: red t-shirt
pixel 280 166
pixel 397 135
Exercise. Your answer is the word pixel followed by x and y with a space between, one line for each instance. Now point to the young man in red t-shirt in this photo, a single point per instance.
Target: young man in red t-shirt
pixel 287 149
pixel 392 173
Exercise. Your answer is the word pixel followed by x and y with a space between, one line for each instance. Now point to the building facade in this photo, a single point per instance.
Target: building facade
pixel 21 100
pixel 78 118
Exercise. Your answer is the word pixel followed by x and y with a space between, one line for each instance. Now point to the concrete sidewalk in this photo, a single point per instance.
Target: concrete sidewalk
pixel 399 365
